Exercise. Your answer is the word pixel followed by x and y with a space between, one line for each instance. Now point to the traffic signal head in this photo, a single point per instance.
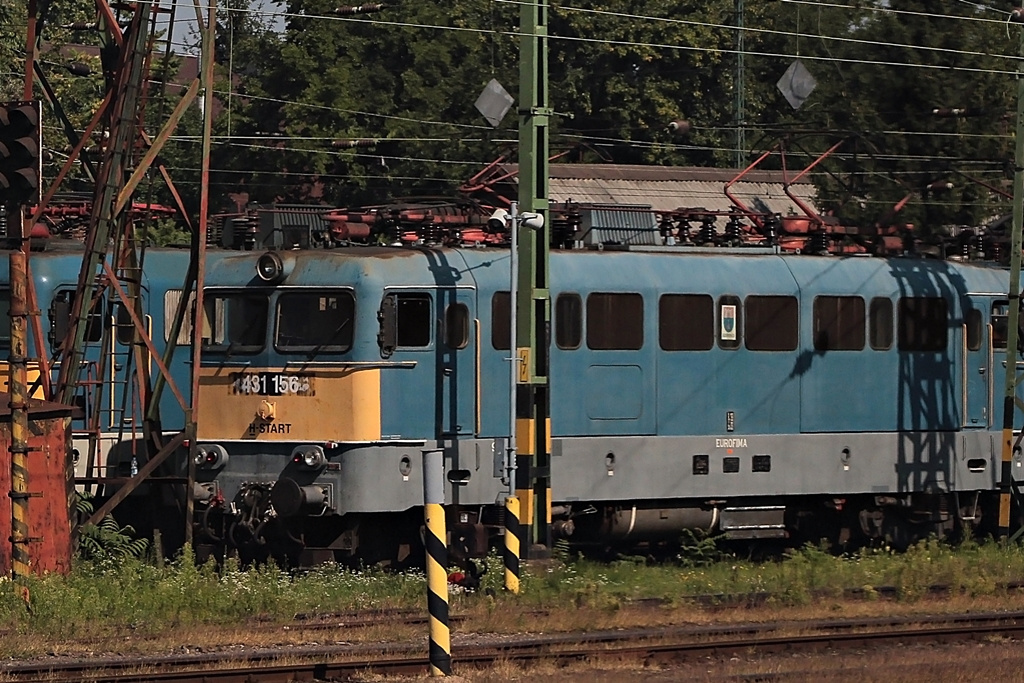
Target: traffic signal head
pixel 20 147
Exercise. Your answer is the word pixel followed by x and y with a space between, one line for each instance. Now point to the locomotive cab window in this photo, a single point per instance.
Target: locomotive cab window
pixel 60 318
pixel 615 321
pixel 686 322
pixel 405 322
pixel 838 323
pixel 568 321
pixel 234 321
pixel 880 323
pixel 320 321
pixel 922 324
pixel 771 323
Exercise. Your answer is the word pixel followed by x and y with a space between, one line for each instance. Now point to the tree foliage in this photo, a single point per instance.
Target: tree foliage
pixel 883 73
pixel 292 98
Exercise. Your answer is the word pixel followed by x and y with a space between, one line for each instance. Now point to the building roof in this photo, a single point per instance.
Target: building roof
pixel 667 188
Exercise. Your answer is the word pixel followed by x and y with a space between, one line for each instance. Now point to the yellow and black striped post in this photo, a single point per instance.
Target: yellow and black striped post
pixel 19 420
pixel 437 562
pixel 513 533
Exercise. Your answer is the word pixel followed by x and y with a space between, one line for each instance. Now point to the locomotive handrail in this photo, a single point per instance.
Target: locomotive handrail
pixel 319 363
pixel 355 363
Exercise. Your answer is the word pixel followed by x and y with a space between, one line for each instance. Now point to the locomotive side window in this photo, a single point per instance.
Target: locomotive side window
pixel 456 326
pixel 171 299
pixel 60 318
pixel 880 327
pixel 501 318
pixel 568 321
pixel 973 329
pixel 771 323
pixel 686 322
pixel 320 321
pixel 730 321
pixel 838 323
pixel 234 322
pixel 615 321
pixel 922 324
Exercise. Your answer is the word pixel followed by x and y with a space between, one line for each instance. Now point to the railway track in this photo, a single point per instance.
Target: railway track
pixel 671 645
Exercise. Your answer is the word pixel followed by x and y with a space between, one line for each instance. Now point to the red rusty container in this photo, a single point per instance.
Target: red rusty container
pixel 50 481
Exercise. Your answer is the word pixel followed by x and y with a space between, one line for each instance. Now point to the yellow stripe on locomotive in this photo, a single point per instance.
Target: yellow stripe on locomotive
pixel 268 404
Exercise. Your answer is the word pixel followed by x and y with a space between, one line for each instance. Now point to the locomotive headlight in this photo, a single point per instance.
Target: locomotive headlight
pixel 272 267
pixel 210 456
pixel 309 456
pixel 269 267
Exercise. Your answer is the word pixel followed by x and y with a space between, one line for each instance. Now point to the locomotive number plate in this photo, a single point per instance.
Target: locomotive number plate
pixel 271 384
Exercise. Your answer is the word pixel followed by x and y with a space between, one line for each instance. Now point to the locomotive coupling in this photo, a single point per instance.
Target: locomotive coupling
pixel 290 499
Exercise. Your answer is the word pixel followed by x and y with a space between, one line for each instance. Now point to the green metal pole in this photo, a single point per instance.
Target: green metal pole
pixel 533 300
pixel 1013 316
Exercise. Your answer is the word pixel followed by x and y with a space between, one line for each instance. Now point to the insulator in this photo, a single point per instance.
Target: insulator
pixel 817 243
pixel 78 69
pixel 665 228
pixel 770 229
pixel 429 232
pixel 351 144
pixel 707 235
pixel 683 229
pixel 908 242
pixel 679 127
pixel 360 9
pixel 979 244
pixel 563 230
pixel 733 230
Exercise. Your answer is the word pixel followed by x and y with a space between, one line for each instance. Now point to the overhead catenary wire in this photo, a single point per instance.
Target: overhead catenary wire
pixel 653 45
pixel 780 55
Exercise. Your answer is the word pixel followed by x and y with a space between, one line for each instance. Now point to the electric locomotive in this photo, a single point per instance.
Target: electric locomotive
pixel 745 391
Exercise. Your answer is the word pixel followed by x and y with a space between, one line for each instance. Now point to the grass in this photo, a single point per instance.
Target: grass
pixel 113 602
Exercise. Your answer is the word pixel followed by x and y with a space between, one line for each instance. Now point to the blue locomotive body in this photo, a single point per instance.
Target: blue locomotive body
pixel 742 391
pixel 107 431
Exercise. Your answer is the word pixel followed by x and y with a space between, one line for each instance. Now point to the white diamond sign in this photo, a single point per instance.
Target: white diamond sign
pixel 494 102
pixel 796 84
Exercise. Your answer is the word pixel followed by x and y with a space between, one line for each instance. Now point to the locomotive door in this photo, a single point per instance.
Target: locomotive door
pixel 976 366
pixel 456 360
pixel 435 331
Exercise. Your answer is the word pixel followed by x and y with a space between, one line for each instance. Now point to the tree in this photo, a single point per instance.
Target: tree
pixel 882 72
pixel 408 77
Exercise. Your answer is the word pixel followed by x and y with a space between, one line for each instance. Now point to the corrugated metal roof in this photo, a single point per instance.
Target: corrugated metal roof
pixel 668 188
pixel 604 225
